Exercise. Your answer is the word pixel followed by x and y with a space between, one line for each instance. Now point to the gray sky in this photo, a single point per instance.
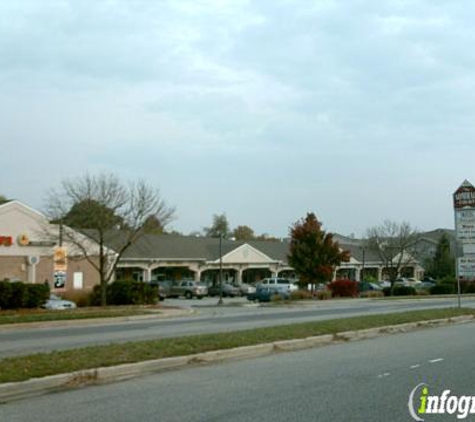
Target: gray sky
pixel 358 111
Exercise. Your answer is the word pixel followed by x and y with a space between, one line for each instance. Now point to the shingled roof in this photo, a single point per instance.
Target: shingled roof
pixel 173 247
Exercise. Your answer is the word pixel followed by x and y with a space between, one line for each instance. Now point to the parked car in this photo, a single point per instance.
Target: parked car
pixel 364 286
pixel 425 285
pixel 56 303
pixel 164 287
pixel 228 290
pixel 246 289
pixel 266 293
pixel 189 289
pixel 402 281
pixel 278 281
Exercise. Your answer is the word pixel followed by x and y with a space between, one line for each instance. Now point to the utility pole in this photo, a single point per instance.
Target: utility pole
pixel 220 302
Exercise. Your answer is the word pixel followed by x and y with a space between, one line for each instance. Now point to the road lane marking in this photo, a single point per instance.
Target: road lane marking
pixel 436 360
pixel 415 366
pixel 386 374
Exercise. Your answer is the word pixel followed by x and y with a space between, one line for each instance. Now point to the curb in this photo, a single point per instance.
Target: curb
pixel 64 323
pixel 34 387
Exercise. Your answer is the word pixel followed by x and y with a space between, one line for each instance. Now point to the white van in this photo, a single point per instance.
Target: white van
pixel 277 281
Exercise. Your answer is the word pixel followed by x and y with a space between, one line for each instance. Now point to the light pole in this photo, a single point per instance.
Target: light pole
pixel 362 268
pixel 220 301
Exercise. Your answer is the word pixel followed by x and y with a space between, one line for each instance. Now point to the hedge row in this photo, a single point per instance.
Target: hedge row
pixel 22 295
pixel 126 293
pixel 343 288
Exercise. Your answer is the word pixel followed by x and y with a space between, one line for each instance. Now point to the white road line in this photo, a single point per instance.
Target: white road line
pixel 386 374
pixel 415 366
pixel 436 360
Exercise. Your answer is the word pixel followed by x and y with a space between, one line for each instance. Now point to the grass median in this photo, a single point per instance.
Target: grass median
pixel 39 365
pixel 43 315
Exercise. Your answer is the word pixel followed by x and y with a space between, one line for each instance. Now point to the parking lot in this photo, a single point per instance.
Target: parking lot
pixel 207 302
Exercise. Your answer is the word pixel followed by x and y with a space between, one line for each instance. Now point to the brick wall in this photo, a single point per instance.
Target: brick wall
pixel 17 268
pixel 13 268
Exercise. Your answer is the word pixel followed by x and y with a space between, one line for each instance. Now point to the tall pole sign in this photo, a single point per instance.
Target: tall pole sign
pixel 464 211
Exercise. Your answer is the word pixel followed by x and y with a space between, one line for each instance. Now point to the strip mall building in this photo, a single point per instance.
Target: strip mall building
pixel 30 251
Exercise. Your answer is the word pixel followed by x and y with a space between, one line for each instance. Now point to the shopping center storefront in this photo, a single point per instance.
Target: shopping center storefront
pixel 30 251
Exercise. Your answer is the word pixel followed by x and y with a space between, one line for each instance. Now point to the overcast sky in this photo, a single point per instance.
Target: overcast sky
pixel 359 111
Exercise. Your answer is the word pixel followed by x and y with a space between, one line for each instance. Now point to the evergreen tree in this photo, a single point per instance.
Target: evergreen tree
pixel 443 263
pixel 220 227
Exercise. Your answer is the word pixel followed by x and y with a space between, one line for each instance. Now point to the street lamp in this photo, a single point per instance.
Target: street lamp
pixel 362 267
pixel 220 301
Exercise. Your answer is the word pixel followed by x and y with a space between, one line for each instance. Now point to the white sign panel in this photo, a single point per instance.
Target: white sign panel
pixel 465 225
pixel 466 268
pixel 78 281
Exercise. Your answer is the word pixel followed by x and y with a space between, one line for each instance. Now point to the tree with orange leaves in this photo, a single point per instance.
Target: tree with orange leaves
pixel 313 252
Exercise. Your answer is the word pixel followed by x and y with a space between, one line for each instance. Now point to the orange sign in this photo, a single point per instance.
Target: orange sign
pixel 6 240
pixel 23 240
pixel 60 259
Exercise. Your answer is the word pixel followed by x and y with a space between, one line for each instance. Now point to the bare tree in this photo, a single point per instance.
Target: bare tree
pixel 112 214
pixel 394 243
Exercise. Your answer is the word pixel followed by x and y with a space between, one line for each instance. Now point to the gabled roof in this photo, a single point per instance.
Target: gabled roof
pixel 20 205
pixel 175 247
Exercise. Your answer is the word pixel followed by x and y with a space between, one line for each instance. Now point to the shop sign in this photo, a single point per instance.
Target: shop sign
pixel 59 279
pixel 466 268
pixel 60 259
pixel 464 196
pixel 23 240
pixel 6 240
pixel 465 225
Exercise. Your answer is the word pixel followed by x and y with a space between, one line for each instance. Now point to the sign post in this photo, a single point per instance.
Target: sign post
pixel 60 267
pixel 464 211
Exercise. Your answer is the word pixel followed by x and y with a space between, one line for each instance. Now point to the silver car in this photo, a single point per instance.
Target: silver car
pixel 56 303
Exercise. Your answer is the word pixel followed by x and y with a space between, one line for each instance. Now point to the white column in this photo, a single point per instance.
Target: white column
pixel 147 275
pixel 239 276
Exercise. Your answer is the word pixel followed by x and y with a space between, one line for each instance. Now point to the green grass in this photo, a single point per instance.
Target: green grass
pixel 42 315
pixel 453 296
pixel 25 367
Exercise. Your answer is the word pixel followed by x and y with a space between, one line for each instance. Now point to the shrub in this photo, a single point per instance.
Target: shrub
pixel 465 287
pixel 81 298
pixel 343 288
pixel 447 280
pixel 5 294
pixel 19 295
pixel 36 295
pixel 301 295
pixel 126 293
pixel 442 289
pixel 468 288
pixel 323 294
pixel 276 298
pixel 400 291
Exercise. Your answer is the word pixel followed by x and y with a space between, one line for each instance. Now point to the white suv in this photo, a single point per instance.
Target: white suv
pixel 277 281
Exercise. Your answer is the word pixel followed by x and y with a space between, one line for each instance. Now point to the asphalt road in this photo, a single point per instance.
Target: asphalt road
pixel 15 342
pixel 366 381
